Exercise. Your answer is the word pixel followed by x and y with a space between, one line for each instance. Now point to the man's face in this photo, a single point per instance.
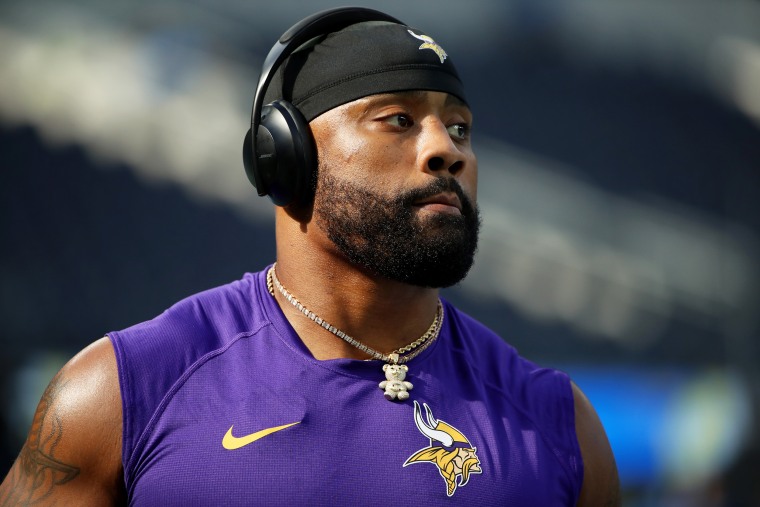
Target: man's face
pixel 396 186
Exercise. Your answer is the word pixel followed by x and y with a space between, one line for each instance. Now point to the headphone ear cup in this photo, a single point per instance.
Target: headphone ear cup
pixel 250 170
pixel 285 161
pixel 281 160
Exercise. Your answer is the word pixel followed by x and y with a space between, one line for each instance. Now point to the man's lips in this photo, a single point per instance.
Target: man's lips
pixel 442 203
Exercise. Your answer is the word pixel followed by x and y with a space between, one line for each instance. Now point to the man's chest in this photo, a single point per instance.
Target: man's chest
pixel 214 444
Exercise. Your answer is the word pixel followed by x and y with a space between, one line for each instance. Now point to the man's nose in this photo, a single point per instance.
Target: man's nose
pixel 439 152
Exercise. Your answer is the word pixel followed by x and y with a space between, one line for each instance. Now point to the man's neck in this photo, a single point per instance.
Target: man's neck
pixel 380 313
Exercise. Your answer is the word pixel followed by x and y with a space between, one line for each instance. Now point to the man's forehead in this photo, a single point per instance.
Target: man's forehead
pixel 411 95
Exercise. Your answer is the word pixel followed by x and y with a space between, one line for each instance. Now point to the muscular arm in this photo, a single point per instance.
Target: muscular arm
pixel 601 486
pixel 72 455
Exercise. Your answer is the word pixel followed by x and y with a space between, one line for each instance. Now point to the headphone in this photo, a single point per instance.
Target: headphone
pixel 280 160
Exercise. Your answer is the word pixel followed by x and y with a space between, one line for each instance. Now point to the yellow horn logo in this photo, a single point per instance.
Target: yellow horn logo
pixel 429 43
pixel 449 450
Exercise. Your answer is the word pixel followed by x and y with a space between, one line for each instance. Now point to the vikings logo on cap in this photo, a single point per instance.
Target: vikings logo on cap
pixel 449 450
pixel 429 43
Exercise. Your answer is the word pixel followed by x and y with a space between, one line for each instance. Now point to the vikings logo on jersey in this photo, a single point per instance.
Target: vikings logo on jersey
pixel 449 450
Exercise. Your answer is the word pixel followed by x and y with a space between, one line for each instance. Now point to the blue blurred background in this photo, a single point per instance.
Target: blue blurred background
pixel 619 148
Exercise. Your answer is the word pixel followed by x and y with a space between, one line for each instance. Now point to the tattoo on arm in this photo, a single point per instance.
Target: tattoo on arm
pixel 37 471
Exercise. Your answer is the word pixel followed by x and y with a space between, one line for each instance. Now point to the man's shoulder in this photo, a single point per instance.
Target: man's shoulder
pixel 218 310
pixel 153 357
pixel 476 338
pixel 75 437
pixel 227 297
pixel 500 362
pixel 203 323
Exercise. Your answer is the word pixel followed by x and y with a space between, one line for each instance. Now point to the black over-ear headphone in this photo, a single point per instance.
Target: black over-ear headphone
pixel 280 160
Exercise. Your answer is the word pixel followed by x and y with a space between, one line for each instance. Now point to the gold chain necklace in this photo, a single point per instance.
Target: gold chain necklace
pixel 395 387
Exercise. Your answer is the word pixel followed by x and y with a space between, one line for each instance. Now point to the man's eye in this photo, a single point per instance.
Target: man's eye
pixel 400 120
pixel 459 130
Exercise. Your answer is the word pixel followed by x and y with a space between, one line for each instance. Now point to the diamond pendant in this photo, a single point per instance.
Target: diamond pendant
pixel 394 385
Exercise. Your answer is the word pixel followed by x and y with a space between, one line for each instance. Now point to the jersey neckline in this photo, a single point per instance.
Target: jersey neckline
pixel 365 369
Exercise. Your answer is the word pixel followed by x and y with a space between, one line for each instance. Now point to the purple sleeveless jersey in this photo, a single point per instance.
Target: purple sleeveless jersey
pixel 223 405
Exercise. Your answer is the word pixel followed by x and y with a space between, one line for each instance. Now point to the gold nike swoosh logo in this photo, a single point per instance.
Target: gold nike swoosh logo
pixel 231 443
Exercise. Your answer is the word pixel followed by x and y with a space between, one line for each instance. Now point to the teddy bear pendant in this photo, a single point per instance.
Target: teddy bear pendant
pixel 394 385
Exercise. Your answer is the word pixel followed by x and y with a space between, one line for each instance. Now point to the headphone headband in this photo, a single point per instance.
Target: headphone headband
pixel 320 23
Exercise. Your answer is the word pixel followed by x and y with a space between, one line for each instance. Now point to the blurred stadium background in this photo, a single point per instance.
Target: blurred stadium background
pixel 619 147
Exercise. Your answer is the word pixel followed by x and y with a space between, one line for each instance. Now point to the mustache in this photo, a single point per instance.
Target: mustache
pixel 438 186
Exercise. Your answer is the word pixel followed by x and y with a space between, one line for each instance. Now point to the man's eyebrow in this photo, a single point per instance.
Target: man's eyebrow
pixel 382 99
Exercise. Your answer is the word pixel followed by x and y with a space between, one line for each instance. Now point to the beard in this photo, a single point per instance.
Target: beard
pixel 386 237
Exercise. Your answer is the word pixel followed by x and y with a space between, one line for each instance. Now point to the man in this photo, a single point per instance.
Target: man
pixel 336 376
